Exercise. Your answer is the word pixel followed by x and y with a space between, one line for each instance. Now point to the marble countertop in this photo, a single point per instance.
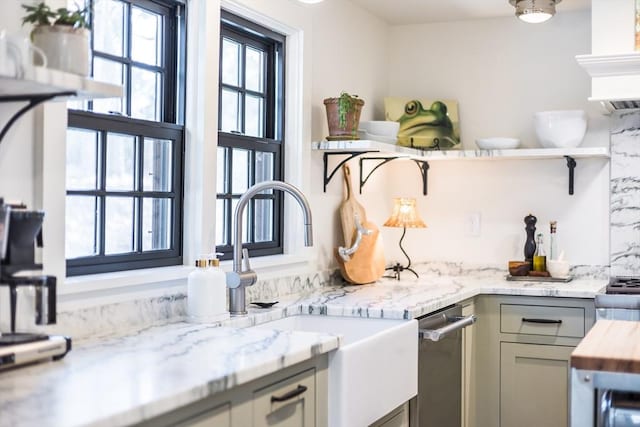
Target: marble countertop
pixel 127 379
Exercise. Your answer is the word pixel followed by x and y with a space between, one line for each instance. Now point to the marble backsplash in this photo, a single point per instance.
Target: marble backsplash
pixel 625 194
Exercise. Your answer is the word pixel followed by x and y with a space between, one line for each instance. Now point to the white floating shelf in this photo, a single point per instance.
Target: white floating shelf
pixel 41 81
pixel 385 149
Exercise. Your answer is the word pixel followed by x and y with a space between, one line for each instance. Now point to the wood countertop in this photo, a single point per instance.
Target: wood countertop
pixel 611 345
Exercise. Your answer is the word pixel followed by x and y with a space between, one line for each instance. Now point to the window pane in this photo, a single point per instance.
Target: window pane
pixel 240 179
pixel 146 36
pixel 121 152
pixel 146 93
pixel 230 111
pixel 255 70
pixel 81 237
pixel 82 153
pixel 230 62
pixel 221 170
pixel 118 235
pixel 110 72
pixel 263 220
pixel 254 116
pixel 157 165
pixel 221 223
pixel 108 26
pixel 156 224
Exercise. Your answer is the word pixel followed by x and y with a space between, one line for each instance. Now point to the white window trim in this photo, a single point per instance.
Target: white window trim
pixel 201 141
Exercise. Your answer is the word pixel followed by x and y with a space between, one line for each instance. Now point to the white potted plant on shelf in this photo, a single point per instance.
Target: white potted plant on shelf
pixel 62 34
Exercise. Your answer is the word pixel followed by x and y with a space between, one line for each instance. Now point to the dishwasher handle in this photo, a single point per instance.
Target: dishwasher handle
pixel 437 334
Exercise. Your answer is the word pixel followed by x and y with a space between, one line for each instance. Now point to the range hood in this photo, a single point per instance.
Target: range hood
pixel 615 79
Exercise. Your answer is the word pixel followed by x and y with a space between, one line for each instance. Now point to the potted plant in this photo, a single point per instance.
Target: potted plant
pixel 62 34
pixel 343 116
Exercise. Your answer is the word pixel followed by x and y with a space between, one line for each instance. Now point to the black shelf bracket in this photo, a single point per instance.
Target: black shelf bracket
pixel 381 161
pixel 423 165
pixel 571 164
pixel 325 158
pixel 33 101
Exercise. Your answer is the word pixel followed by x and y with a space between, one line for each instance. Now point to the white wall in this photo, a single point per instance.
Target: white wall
pixel 501 71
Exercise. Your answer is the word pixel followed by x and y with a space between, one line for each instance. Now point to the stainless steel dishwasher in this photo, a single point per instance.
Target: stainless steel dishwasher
pixel 440 368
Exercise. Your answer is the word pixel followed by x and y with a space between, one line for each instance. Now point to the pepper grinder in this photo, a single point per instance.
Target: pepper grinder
pixel 530 244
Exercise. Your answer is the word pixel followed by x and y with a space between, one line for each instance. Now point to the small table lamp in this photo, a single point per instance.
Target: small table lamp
pixel 404 215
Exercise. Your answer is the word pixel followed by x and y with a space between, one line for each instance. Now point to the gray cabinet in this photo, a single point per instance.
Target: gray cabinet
pixel 521 359
pixel 287 403
pixel 292 397
pixel 399 417
pixel 534 385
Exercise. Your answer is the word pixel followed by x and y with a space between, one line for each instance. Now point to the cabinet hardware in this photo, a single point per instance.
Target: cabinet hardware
pixel 544 321
pixel 290 394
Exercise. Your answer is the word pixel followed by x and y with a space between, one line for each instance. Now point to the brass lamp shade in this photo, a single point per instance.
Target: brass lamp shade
pixel 405 214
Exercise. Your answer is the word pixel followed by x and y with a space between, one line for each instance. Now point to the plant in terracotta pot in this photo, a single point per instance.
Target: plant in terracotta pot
pixel 343 116
pixel 62 34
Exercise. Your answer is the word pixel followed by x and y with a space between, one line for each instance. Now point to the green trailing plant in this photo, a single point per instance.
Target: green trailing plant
pixel 346 104
pixel 42 15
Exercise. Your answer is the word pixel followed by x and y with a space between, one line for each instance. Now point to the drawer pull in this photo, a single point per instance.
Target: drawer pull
pixel 289 395
pixel 545 321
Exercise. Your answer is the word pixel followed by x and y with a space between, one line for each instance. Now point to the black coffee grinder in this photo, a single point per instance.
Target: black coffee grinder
pixel 20 231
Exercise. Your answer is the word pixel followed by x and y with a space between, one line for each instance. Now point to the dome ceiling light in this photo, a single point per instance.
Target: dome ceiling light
pixel 534 11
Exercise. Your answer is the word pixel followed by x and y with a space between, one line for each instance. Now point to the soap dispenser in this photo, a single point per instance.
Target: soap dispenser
pixel 206 292
pixel 217 282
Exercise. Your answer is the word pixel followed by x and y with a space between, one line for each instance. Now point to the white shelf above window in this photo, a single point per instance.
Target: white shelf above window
pixel 382 153
pixel 384 149
pixel 40 81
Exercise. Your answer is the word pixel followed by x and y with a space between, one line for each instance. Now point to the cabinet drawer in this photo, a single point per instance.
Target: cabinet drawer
pixel 542 320
pixel 290 402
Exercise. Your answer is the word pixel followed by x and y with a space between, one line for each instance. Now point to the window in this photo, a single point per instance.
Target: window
pixel 124 156
pixel 250 137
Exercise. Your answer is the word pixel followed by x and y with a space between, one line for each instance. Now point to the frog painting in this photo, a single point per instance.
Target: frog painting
pixel 425 124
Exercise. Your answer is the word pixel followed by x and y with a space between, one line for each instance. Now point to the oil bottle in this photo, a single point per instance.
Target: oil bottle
pixel 539 257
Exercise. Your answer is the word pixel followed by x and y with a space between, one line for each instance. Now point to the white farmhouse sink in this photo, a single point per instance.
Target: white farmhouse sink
pixel 374 370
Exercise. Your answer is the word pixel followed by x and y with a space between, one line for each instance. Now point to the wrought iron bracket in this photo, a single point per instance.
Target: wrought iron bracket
pixel 423 165
pixel 32 101
pixel 571 164
pixel 325 158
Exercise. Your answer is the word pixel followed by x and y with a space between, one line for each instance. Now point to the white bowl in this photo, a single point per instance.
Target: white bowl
pixel 384 128
pixel 497 143
pixel 560 129
pixel 558 268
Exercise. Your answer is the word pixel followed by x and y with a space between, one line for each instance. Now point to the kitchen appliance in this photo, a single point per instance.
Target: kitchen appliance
pixel 603 398
pixel 20 231
pixel 440 368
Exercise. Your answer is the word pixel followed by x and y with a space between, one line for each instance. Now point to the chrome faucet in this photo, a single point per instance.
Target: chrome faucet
pixel 242 275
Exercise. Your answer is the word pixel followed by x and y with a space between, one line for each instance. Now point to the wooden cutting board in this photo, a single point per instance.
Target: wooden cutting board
pixel 348 208
pixel 367 263
pixel 611 345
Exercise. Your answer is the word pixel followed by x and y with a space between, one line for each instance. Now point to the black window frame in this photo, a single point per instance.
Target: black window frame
pixel 170 127
pixel 248 33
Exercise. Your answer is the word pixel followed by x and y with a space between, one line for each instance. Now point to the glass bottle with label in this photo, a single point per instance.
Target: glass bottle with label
pixel 553 248
pixel 539 257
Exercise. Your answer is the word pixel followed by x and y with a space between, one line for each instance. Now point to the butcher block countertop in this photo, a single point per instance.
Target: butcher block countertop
pixel 611 345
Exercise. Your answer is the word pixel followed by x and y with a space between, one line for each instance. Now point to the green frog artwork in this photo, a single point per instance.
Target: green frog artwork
pixel 425 124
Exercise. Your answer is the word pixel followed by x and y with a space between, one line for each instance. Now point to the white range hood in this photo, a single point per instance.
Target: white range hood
pixel 615 79
pixel 614 67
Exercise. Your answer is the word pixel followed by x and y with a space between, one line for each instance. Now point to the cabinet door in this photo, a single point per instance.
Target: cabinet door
pixel 534 381
pixel 287 403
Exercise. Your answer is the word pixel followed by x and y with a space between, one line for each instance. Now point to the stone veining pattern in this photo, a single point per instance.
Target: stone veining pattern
pixel 625 194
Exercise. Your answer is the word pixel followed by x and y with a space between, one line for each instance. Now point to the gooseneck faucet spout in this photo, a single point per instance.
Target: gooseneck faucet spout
pixel 242 275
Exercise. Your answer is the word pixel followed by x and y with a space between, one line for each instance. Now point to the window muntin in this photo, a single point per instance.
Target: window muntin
pixel 124 206
pixel 250 146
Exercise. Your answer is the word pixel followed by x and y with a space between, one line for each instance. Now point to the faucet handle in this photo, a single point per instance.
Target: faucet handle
pixel 246 266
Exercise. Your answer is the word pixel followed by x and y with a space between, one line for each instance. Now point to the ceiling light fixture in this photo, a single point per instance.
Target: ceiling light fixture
pixel 534 11
pixel 310 1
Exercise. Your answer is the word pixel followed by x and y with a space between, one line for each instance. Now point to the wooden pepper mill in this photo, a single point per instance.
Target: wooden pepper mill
pixel 530 244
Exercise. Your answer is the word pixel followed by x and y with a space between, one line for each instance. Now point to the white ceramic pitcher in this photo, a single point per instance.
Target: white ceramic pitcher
pixel 16 55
